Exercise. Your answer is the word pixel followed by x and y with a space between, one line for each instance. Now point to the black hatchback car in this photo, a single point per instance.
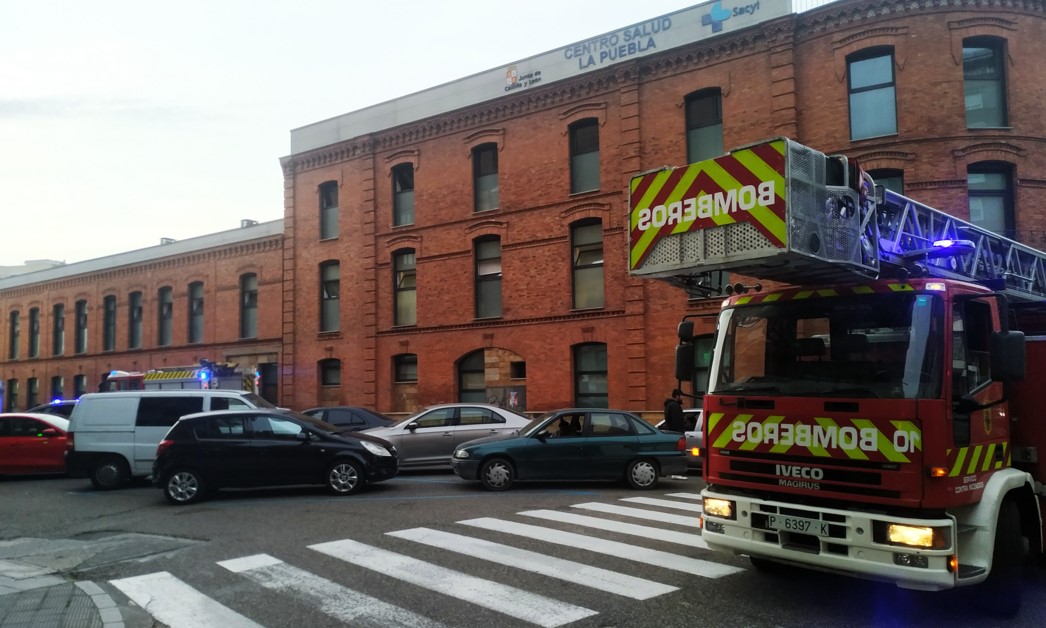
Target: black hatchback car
pixel 207 451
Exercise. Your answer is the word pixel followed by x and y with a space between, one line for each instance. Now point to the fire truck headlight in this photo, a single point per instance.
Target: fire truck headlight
pixel 723 508
pixel 915 536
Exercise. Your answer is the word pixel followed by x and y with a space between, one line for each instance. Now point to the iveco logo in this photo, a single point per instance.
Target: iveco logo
pixel 795 471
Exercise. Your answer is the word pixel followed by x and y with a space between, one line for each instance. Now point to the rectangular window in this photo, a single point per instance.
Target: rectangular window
pixel 11 396
pixel 34 332
pixel 984 83
pixel 329 210
pixel 330 372
pixel 32 392
pixel 485 176
pixel 591 389
pixel 58 330
pixel 196 311
pixel 79 386
pixel 584 156
pixel 249 306
pixel 80 341
pixel 406 288
pixel 109 323
pixel 488 278
pixel 403 195
pixel 889 178
pixel 57 387
pixel 330 296
pixel 13 333
pixel 134 320
pixel 873 99
pixel 704 125
pixel 164 316
pixel 991 201
pixel 406 367
pixel 587 243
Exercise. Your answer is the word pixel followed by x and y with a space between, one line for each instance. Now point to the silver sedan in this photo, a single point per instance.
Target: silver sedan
pixel 427 439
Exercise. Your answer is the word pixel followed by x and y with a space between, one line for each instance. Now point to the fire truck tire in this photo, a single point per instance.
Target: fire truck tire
pixel 109 473
pixel 1000 593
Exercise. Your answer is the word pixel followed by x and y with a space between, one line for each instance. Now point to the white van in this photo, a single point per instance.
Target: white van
pixel 113 435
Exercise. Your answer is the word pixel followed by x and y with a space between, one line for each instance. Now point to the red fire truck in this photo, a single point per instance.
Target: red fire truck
pixel 866 411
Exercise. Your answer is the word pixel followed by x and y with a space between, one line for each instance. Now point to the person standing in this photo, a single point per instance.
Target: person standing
pixel 674 421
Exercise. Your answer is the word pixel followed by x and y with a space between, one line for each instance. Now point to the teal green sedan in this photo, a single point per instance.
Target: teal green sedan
pixel 574 444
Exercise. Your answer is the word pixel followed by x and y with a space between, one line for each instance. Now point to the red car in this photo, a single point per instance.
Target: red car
pixel 32 443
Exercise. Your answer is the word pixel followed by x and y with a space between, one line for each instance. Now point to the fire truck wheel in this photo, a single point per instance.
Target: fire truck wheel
pixel 110 473
pixel 1000 594
pixel 642 473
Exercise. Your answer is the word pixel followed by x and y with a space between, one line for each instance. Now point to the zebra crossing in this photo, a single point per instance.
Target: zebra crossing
pixel 177 604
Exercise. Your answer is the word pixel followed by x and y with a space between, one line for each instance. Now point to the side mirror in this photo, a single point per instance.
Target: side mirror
pixel 685 331
pixel 303 436
pixel 1007 355
pixel 684 362
pixel 412 427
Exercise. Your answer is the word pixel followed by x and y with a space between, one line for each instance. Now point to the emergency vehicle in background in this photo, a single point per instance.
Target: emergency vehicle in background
pixel 866 416
pixel 207 375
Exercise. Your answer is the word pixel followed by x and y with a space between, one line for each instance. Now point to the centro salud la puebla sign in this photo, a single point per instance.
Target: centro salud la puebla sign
pixel 656 35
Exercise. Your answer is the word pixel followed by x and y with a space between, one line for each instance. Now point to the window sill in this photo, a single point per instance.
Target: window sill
pixel 584 192
pixel 976 129
pixel 329 334
pixel 588 309
pixel 329 239
pixel 875 137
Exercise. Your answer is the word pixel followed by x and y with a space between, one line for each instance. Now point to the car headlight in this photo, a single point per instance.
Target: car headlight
pixel 461 453
pixel 375 449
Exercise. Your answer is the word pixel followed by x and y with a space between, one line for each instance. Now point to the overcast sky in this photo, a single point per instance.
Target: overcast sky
pixel 123 122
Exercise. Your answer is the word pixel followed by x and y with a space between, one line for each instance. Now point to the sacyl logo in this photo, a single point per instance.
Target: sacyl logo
pixel 717 14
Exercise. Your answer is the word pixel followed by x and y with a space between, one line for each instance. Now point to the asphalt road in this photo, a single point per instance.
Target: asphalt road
pixel 430 549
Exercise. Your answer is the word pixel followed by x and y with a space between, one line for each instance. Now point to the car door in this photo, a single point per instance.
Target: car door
pixel 26 449
pixel 559 454
pixel 610 443
pixel 476 422
pixel 280 455
pixel 222 450
pixel 429 438
pixel 13 451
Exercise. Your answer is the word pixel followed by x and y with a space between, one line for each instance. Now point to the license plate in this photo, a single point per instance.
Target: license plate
pixel 797 524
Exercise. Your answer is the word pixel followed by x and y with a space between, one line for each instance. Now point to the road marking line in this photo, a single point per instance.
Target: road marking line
pixel 639 513
pixel 536 609
pixel 341 603
pixel 664 503
pixel 172 602
pixel 696 496
pixel 578 573
pixel 657 558
pixel 647 532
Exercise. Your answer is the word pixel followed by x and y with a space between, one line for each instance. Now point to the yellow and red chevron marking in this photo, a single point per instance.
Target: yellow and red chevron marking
pixel 978 458
pixel 747 167
pixel 165 375
pixel 796 294
pixel 821 437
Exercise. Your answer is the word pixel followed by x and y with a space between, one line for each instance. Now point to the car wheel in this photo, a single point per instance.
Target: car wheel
pixel 497 474
pixel 184 486
pixel 110 473
pixel 344 478
pixel 641 474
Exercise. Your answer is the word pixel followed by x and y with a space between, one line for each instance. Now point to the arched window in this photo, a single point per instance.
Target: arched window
pixel 873 98
pixel 330 296
pixel 488 277
pixel 984 82
pixel 990 188
pixel 405 288
pixel 328 210
pixel 403 195
pixel 586 241
pixel 249 305
pixel 472 386
pixel 196 311
pixel 485 176
pixel 584 156
pixel 164 316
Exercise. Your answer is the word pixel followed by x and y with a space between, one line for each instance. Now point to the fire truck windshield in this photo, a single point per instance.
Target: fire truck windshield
pixel 874 345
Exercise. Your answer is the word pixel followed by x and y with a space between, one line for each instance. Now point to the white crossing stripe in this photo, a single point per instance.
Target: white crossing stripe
pixel 689 539
pixel 640 513
pixel 664 503
pixel 339 602
pixel 696 496
pixel 666 560
pixel 177 604
pixel 578 573
pixel 536 609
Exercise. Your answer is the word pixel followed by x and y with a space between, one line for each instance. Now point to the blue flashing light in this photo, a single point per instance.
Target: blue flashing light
pixel 56 400
pixel 204 374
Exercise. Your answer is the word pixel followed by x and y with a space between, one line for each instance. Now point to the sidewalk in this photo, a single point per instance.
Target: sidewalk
pixel 43 601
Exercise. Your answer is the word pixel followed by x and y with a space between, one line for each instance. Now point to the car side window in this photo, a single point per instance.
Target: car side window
pixel 356 419
pixel 21 427
pixel 165 411
pixel 270 427
pixel 642 427
pixel 477 416
pixel 228 403
pixel 441 417
pixel 610 424
pixel 220 428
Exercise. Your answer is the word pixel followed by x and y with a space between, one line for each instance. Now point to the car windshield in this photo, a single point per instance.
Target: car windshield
pixel 879 345
pixel 534 426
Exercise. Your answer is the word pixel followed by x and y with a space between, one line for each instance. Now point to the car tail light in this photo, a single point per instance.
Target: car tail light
pixel 164 444
pixel 70 442
pixel 681 443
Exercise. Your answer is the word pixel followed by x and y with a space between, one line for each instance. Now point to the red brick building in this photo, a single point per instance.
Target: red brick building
pixel 170 305
pixel 470 241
